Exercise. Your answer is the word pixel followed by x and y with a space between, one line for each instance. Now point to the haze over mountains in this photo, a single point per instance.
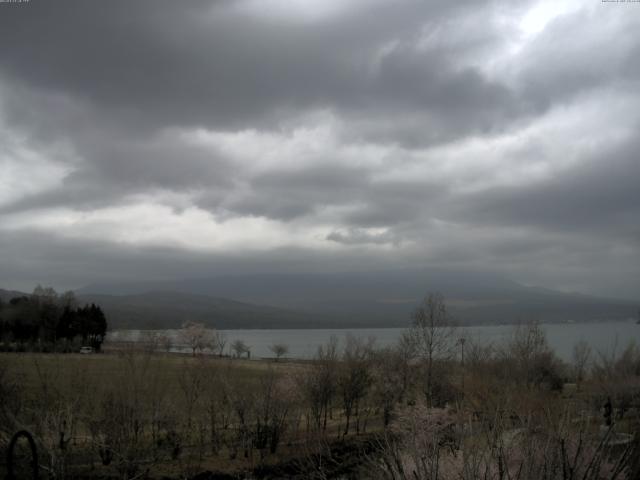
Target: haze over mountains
pixel 382 299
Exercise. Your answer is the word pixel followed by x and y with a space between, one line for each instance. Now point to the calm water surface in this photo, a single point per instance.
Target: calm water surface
pixel 603 337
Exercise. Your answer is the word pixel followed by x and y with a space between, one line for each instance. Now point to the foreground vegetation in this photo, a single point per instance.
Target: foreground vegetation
pixel 435 406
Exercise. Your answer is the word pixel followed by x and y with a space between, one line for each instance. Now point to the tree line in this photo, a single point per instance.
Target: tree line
pixel 50 321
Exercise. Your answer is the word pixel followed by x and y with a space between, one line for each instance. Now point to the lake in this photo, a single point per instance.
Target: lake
pixel 603 337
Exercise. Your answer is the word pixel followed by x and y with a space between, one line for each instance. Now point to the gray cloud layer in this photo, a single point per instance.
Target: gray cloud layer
pixel 357 134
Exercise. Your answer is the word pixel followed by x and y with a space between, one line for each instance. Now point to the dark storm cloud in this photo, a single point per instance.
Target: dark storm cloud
pixel 392 203
pixel 289 194
pixel 107 78
pixel 600 197
pixel 155 64
pixel 163 162
pixel 122 167
pixel 143 100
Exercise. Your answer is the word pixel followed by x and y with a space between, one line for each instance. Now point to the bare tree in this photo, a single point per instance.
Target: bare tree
pixel 616 377
pixel 195 336
pixel 319 384
pixel 530 358
pixel 391 377
pixel 240 348
pixel 217 405
pixel 433 332
pixel 44 294
pixel 274 400
pixel 355 378
pixel 242 400
pixel 11 391
pixel 150 341
pixel 192 381
pixel 218 343
pixel 120 417
pixel 68 300
pixel 279 350
pixel 581 357
pixel 63 396
pixel 165 342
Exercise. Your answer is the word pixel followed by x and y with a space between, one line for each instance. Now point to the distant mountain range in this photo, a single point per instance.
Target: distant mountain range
pixel 383 299
pixel 165 309
pixel 170 309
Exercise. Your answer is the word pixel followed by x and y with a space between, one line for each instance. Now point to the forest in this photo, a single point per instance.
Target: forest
pixel 47 322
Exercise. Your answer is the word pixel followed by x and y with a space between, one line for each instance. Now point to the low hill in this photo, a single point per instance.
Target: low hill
pixel 164 309
pixel 387 299
pixel 6 295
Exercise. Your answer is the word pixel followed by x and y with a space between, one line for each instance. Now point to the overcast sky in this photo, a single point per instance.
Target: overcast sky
pixel 168 139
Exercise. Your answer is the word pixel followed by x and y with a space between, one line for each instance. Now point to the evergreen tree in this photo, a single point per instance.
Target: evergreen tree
pixel 46 316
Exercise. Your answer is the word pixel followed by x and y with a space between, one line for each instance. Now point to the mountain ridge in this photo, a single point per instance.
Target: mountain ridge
pixel 335 300
pixel 388 298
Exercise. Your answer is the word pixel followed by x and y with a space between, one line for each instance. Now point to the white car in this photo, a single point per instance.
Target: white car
pixel 86 349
